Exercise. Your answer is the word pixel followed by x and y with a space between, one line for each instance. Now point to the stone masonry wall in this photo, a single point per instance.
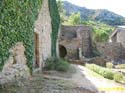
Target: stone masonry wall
pixel 113 52
pixel 43 29
pixel 121 37
pixel 71 48
pixel 75 37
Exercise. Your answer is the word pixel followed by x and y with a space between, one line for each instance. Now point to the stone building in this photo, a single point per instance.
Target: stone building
pixel 114 50
pixel 75 42
pixel 17 65
pixel 42 35
pixel 118 35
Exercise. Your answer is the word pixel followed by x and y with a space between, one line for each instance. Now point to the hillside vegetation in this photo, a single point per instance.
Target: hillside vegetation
pixel 101 31
pixel 75 15
pixel 101 15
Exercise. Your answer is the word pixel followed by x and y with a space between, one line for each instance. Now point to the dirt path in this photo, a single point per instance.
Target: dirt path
pixel 101 84
pixel 49 82
pixel 77 80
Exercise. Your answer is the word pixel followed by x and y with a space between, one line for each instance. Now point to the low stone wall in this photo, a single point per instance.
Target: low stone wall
pixel 113 52
pixel 95 60
pixel 15 68
pixel 98 61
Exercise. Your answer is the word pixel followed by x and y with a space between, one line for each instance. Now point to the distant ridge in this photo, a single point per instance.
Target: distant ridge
pixel 101 15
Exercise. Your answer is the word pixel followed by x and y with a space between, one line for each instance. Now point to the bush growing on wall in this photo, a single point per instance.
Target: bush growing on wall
pixel 16 25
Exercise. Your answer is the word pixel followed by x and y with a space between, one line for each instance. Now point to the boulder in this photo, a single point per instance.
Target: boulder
pixel 15 67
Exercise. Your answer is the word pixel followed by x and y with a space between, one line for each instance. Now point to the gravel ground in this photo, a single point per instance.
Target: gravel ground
pixel 77 80
pixel 48 82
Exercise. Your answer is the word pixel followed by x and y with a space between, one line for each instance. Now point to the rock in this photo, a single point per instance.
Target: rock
pixel 18 53
pixel 3 79
pixel 15 67
pixel 8 64
pixel 81 62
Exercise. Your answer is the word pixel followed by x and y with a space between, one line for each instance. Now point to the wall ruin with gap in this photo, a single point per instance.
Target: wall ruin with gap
pixel 75 37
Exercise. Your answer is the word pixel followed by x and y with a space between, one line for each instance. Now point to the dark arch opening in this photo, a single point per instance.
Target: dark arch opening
pixel 62 51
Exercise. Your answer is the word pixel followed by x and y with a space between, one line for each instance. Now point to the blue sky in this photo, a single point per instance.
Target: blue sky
pixel 117 6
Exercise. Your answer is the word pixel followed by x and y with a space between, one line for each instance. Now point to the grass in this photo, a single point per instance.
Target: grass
pixel 107 73
pixel 120 66
pixel 118 77
pixel 92 73
pixel 109 65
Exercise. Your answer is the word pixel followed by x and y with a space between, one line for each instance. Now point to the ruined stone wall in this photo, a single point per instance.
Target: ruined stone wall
pixel 43 29
pixel 84 34
pixel 121 37
pixel 112 51
pixel 68 32
pixel 71 48
pixel 114 38
pixel 75 37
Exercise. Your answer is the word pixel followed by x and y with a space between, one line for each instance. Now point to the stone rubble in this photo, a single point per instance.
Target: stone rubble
pixel 15 68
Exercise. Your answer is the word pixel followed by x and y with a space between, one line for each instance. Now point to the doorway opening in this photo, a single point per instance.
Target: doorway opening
pixel 62 51
pixel 36 40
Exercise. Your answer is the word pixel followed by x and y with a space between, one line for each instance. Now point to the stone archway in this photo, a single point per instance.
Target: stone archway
pixel 62 51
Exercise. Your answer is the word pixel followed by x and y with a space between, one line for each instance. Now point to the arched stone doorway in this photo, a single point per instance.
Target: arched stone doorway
pixel 62 51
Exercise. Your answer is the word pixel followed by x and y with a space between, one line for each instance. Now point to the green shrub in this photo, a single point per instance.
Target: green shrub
pixel 49 64
pixel 124 79
pixel 118 77
pixel 58 64
pixel 109 65
pixel 106 73
pixel 62 66
pixel 120 66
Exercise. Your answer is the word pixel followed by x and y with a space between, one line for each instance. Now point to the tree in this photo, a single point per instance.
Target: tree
pixel 61 10
pixel 100 31
pixel 74 19
pixel 60 6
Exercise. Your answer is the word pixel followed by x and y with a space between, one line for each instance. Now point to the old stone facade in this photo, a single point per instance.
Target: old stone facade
pixel 118 35
pixel 75 42
pixel 42 35
pixel 114 50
